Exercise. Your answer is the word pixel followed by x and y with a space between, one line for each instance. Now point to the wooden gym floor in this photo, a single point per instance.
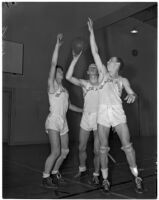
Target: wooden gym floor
pixel 23 166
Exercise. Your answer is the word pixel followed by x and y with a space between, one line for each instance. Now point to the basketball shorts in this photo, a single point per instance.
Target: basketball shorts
pixel 57 123
pixel 111 115
pixel 89 121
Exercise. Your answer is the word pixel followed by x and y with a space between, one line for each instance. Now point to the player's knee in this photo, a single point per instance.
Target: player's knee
pixel 55 153
pixel 128 148
pixel 96 151
pixel 104 150
pixel 64 153
pixel 82 148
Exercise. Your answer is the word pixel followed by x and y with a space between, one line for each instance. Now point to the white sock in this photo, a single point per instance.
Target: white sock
pixel 82 169
pixel 45 175
pixel 95 174
pixel 104 173
pixel 134 171
pixel 54 172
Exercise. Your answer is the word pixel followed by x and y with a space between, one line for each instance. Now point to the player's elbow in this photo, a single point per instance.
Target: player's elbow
pixel 67 77
pixel 70 107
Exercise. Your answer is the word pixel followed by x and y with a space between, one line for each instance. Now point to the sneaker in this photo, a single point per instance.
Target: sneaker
pixel 138 185
pixel 81 174
pixel 47 183
pixel 106 185
pixel 57 178
pixel 95 180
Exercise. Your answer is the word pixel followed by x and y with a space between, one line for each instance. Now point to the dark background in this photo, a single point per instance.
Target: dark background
pixel 35 25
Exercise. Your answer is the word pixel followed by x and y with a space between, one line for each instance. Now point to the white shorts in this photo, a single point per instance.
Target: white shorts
pixel 89 121
pixel 111 115
pixel 57 123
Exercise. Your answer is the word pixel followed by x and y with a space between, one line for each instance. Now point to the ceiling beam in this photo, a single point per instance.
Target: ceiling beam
pixel 123 13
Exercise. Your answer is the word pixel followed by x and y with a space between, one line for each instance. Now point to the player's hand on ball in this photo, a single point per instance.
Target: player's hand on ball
pixel 78 45
pixel 90 24
pixel 59 39
pixel 130 98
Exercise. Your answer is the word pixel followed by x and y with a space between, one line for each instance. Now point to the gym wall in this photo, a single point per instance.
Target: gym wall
pixel 29 100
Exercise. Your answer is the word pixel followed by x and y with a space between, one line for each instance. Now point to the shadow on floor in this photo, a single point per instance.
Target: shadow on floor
pixel 23 166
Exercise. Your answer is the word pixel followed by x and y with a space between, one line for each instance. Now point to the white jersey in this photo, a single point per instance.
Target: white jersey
pixel 110 91
pixel 59 102
pixel 90 94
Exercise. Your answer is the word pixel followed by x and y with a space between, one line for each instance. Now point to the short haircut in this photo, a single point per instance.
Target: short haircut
pixel 121 62
pixel 92 65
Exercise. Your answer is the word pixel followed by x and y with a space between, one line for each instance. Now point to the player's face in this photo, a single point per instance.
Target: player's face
pixel 59 74
pixel 92 70
pixel 113 65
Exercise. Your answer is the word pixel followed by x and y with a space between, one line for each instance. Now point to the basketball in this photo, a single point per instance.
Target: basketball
pixel 78 45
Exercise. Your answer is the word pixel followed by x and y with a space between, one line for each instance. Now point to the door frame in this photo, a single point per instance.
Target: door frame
pixel 11 92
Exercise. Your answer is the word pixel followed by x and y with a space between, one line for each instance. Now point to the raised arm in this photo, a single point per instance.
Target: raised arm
pixel 54 63
pixel 101 68
pixel 131 96
pixel 69 74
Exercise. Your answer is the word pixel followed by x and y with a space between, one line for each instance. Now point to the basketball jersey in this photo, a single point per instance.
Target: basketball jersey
pixel 90 94
pixel 110 91
pixel 59 102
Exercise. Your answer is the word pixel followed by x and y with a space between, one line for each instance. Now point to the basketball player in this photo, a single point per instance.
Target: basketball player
pixel 111 112
pixel 56 123
pixel 89 117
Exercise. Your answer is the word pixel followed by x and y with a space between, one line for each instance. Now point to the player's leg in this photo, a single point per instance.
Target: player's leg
pixel 124 135
pixel 83 139
pixel 54 138
pixel 104 149
pixel 96 158
pixel 55 174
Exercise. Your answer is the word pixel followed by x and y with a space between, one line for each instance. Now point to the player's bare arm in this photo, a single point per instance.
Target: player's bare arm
pixel 131 96
pixel 54 60
pixel 101 68
pixel 70 71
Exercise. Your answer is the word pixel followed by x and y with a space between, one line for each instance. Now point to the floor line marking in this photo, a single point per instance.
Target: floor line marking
pixel 25 166
pixel 33 169
pixel 73 181
pixel 122 195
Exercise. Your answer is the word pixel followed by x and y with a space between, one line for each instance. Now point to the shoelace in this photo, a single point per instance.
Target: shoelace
pixel 106 183
pixel 138 182
pixel 95 179
pixel 50 181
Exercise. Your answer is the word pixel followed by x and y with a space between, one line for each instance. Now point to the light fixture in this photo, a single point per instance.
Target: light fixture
pixel 134 30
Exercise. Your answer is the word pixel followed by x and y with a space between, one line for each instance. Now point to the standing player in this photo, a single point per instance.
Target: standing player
pixel 56 123
pixel 111 112
pixel 89 117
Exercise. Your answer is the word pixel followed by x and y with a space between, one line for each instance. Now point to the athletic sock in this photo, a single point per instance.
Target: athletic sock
pixel 54 172
pixel 82 169
pixel 134 171
pixel 95 174
pixel 45 175
pixel 104 173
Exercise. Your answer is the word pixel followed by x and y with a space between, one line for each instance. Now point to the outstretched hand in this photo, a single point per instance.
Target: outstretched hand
pixel 90 24
pixel 130 98
pixel 59 39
